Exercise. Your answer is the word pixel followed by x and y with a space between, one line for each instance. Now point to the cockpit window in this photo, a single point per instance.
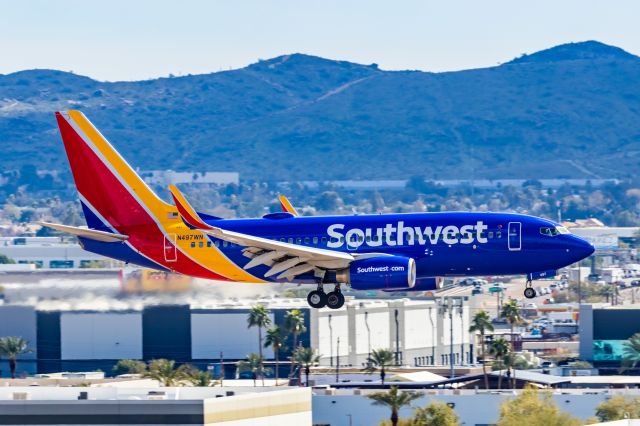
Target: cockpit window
pixel 552 231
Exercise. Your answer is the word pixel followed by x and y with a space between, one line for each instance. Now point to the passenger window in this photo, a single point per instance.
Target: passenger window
pixel 217 243
pixel 368 238
pixel 324 240
pixel 298 240
pixel 208 243
pixel 193 244
pixel 315 240
pixel 499 234
pixel 341 239
pixel 200 244
pixel 490 234
pixel 290 240
pixel 224 243
pixel 306 240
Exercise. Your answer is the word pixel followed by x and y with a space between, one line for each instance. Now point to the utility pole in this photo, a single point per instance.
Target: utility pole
pixel 397 354
pixel 450 307
pixel 221 368
pixel 366 323
pixel 330 342
pixel 579 285
pixel 338 361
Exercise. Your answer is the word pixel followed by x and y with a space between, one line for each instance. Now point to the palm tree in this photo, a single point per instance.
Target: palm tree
pixel 130 366
pixel 511 312
pixel 394 400
pixel 306 357
pixel 275 338
pixel 631 352
pixel 481 323
pixel 379 359
pixel 294 324
pixel 254 365
pixel 197 377
pixel 259 317
pixel 164 371
pixel 12 347
pixel 500 350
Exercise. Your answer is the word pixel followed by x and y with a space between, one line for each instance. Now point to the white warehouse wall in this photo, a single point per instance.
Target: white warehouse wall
pixel 378 330
pixel 328 336
pixel 419 332
pixel 97 335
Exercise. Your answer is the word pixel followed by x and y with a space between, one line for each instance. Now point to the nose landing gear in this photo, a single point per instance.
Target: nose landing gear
pixel 529 292
pixel 319 299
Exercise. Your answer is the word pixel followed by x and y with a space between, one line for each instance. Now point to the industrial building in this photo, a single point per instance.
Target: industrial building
pixel 603 331
pixel 418 332
pixel 113 405
pixel 50 253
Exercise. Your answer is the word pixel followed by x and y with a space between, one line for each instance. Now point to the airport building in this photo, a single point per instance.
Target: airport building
pixel 418 332
pixel 110 404
pixel 50 253
pixel 603 331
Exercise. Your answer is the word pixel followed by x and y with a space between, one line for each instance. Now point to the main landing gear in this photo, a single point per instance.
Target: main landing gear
pixel 319 299
pixel 529 292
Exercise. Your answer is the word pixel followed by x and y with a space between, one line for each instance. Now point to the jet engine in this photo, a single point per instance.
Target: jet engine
pixel 380 273
pixel 425 284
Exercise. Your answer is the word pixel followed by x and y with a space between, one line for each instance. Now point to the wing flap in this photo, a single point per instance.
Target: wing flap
pixel 264 251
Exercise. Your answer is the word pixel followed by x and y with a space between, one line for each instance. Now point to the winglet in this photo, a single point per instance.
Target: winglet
pixel 188 214
pixel 286 205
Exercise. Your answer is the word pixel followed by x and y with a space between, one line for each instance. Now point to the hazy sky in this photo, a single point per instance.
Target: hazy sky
pixel 139 39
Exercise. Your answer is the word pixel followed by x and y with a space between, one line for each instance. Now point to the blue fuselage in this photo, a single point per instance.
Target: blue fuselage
pixel 442 244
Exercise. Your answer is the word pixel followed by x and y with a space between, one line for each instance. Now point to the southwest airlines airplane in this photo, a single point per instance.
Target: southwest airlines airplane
pixel 390 252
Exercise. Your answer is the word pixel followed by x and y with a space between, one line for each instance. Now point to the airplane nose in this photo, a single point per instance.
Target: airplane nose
pixel 580 248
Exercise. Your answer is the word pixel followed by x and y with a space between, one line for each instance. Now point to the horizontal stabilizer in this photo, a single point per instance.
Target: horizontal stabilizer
pixel 92 234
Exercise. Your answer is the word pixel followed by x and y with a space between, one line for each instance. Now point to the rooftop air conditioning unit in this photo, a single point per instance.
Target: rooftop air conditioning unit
pixel 21 396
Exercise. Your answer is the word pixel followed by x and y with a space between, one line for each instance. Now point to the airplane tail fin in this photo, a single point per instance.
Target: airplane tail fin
pixel 113 196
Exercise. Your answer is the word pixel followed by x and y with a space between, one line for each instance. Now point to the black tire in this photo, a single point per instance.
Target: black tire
pixel 529 293
pixel 335 300
pixel 317 299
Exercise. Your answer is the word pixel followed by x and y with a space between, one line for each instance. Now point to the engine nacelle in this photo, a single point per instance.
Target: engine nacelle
pixel 425 284
pixel 380 273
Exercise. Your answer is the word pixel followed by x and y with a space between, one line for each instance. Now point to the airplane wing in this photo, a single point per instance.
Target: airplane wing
pixel 92 234
pixel 286 259
pixel 287 206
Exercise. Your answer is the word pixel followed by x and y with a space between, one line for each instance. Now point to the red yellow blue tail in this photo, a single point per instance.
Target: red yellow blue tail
pixel 115 199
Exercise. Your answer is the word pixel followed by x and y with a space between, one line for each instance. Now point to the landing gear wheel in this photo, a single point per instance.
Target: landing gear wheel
pixel 335 300
pixel 317 299
pixel 529 293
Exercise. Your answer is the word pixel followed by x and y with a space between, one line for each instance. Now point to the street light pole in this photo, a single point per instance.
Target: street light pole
pixel 330 342
pixel 450 306
pixel 338 361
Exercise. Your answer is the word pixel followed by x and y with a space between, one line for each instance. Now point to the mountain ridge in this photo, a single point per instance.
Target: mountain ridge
pixel 301 117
